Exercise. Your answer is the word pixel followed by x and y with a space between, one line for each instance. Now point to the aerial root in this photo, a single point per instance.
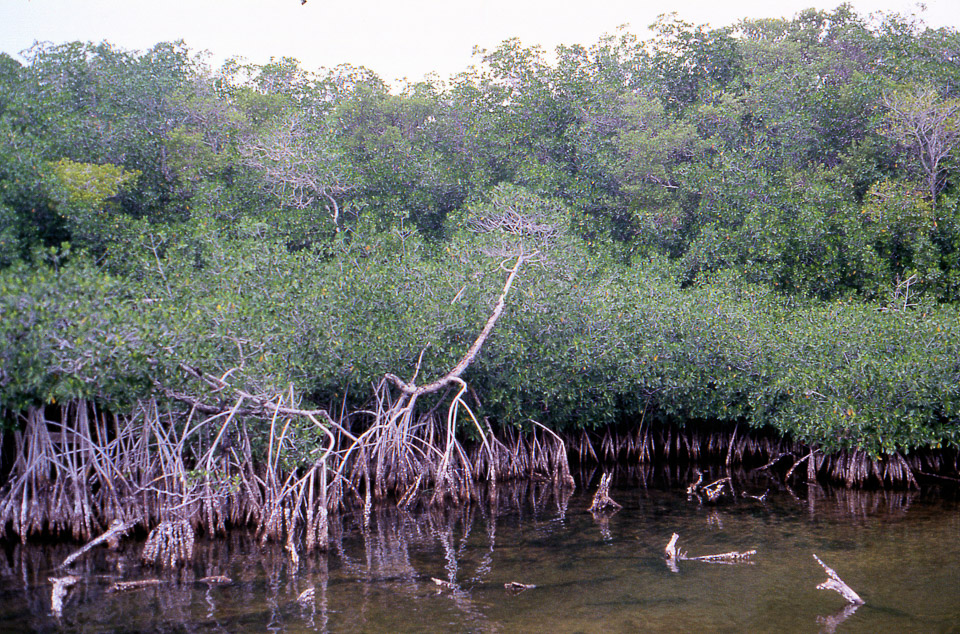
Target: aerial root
pixel 169 544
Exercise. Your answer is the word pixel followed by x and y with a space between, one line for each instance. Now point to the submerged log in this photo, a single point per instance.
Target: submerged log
pixel 127 586
pixel 836 583
pixel 602 499
pixel 117 529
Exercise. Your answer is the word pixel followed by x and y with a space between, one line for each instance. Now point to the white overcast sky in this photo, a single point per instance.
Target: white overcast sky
pixel 395 38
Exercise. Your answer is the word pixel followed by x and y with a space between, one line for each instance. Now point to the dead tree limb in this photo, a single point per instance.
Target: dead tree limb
pixel 117 529
pixel 674 554
pixel 412 389
pixel 836 583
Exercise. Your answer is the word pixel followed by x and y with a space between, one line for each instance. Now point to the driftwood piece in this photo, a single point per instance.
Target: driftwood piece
pixel 516 586
pixel 836 583
pixel 111 535
pixel 307 596
pixel 216 580
pixel 730 557
pixel 674 554
pixel 61 585
pixel 127 586
pixel 444 585
pixel 602 499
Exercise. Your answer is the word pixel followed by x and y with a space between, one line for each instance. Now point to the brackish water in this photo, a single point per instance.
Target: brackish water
pixel 899 550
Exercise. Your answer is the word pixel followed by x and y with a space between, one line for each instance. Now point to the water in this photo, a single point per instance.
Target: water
pixel 900 551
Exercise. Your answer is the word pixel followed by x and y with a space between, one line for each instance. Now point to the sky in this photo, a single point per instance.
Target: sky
pixel 395 38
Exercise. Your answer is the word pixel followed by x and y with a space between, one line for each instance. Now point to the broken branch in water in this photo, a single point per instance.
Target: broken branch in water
pixel 715 489
pixel 712 490
pixel 602 499
pixel 116 530
pixel 444 585
pixel 516 586
pixel 837 584
pixel 61 585
pixel 674 554
pixel 730 557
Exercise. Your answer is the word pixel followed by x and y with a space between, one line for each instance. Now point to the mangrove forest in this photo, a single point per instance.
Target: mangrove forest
pixel 257 295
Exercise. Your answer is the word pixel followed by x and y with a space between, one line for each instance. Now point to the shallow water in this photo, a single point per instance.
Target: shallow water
pixel 900 551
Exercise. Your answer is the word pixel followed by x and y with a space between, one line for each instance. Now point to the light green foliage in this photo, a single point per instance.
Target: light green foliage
pixel 84 193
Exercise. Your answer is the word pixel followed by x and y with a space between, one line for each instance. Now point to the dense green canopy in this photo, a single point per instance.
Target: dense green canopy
pixel 752 224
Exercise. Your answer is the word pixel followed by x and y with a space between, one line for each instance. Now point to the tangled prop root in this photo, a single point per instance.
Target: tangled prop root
pixel 169 544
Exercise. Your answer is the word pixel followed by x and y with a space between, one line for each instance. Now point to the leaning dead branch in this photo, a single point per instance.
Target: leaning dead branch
pixel 837 584
pixel 116 531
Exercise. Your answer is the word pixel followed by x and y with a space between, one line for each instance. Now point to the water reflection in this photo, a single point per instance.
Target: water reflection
pixel 591 571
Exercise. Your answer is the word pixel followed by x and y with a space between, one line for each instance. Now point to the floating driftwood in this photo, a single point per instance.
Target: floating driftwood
pixel 61 585
pixel 117 529
pixel 759 498
pixel 602 500
pixel 444 585
pixel 674 554
pixel 128 586
pixel 307 596
pixel 836 583
pixel 731 557
pixel 516 586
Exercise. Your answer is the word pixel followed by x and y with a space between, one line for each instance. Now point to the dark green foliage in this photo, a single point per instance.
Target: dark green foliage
pixel 740 229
